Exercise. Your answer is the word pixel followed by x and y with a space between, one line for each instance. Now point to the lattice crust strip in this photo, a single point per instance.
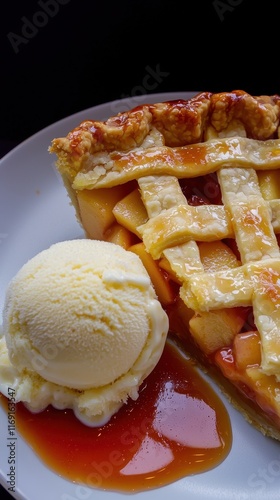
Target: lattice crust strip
pixel 161 196
pixel 173 222
pixel 174 228
pixel 108 169
pixel 250 214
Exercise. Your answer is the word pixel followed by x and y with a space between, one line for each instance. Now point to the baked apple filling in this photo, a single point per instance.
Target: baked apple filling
pixel 193 187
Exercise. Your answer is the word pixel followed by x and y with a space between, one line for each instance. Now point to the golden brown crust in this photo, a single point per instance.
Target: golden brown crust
pixel 180 122
pixel 259 115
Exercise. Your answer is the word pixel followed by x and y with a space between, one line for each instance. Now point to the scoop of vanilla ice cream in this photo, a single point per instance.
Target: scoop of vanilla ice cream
pixel 82 329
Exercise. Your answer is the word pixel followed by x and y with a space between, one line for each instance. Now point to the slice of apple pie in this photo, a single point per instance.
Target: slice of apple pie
pixel 193 187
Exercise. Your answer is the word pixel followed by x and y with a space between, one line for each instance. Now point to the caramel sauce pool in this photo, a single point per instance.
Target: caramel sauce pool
pixel 177 427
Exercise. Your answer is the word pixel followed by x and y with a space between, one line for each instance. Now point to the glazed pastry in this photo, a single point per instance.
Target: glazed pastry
pixel 193 187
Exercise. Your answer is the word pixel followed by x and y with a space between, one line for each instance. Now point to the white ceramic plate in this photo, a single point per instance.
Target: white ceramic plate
pixel 34 213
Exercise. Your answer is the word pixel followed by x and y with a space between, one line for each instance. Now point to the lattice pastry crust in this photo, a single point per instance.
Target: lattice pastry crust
pixel 232 136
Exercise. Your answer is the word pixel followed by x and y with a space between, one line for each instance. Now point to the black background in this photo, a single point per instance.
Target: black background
pixel 87 52
pixel 62 56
